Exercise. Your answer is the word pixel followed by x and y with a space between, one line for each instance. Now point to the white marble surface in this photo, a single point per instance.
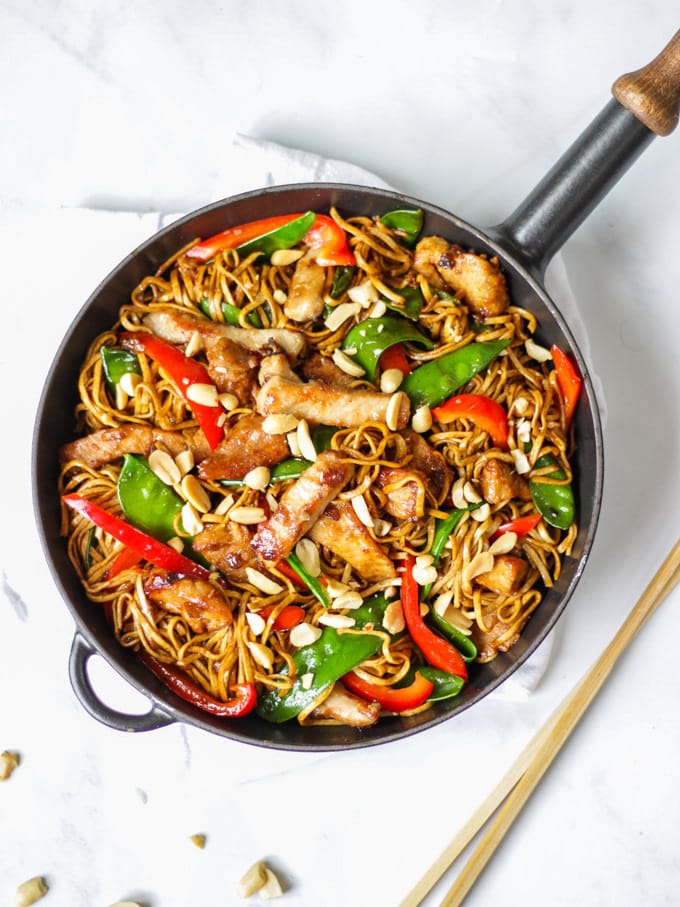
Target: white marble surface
pixel 133 107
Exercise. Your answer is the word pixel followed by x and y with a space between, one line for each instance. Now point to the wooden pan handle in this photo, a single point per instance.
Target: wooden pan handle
pixel 652 94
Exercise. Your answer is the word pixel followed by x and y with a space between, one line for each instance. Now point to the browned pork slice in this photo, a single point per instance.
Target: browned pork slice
pixel 245 446
pixel 506 575
pixel 490 642
pixel 107 444
pixel 202 605
pixel 478 280
pixel 305 297
pixel 500 483
pixel 300 506
pixel 345 707
pixel 322 403
pixel 178 327
pixel 322 368
pixel 226 546
pixel 341 531
pixel 429 461
pixel 233 369
pixel 277 365
pixel 404 491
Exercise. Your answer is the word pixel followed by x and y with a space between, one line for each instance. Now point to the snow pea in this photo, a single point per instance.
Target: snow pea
pixel 368 340
pixel 413 303
pixel 463 643
pixel 407 222
pixel 555 503
pixel 445 685
pixel 147 502
pixel 342 278
pixel 332 655
pixel 371 612
pixel 231 314
pixel 313 583
pixel 436 380
pixel 284 237
pixel 117 362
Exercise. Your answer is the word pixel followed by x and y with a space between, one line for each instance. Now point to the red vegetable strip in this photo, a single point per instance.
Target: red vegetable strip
pixel 521 526
pixel 184 372
pixel 437 651
pixel 144 545
pixel 289 617
pixel 488 414
pixel 402 699
pixel 123 561
pixel 394 357
pixel 177 681
pixel 568 381
pixel 236 236
pixel 329 241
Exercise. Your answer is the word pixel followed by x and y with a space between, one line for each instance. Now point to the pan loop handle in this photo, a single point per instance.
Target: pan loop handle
pixel 81 652
pixel 652 94
pixel 645 104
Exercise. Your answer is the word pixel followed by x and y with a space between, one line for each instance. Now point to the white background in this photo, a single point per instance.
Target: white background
pixel 122 106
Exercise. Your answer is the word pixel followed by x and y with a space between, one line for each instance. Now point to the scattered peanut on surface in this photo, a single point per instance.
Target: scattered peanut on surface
pixel 30 892
pixel 8 762
pixel 259 880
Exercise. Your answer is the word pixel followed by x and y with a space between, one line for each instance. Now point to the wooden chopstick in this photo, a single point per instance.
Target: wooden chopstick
pixel 518 783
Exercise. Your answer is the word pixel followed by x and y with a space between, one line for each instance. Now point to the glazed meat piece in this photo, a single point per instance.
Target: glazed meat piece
pixel 506 576
pixel 244 447
pixel 345 707
pixel 300 506
pixel 322 368
pixel 341 531
pixel 429 461
pixel 107 444
pixel 226 546
pixel 277 366
pixel 500 483
pixel 404 490
pixel 233 369
pixel 178 327
pixel 202 605
pixel 305 296
pixel 490 642
pixel 319 402
pixel 478 280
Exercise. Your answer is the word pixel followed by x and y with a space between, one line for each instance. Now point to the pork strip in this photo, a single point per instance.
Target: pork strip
pixel 402 488
pixel 202 605
pixel 327 405
pixel 305 296
pixel 301 505
pixel 245 446
pixel 226 546
pixel 341 531
pixel 345 707
pixel 500 483
pixel 107 444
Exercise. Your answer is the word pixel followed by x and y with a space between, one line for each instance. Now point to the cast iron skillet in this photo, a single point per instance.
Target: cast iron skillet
pixel 646 105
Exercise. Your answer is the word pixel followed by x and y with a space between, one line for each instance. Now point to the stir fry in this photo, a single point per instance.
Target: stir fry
pixel 321 469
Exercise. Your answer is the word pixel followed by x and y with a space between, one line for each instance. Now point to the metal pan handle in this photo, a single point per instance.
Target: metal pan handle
pixel 645 104
pixel 81 652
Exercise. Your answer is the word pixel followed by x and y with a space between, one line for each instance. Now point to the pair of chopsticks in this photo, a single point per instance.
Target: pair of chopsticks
pixel 515 788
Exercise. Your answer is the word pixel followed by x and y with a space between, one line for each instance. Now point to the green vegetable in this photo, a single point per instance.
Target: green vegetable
pixel 284 237
pixel 147 502
pixel 436 380
pixel 555 503
pixel 371 612
pixel 332 655
pixel 369 339
pixel 445 685
pixel 116 363
pixel 443 529
pixel 463 643
pixel 88 547
pixel 315 586
pixel 408 222
pixel 342 278
pixel 413 303
pixel 231 314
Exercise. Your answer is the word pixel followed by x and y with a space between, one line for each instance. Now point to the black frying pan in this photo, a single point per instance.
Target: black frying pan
pixel 645 104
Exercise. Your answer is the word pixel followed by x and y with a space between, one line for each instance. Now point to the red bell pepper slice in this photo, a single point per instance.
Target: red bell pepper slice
pixel 393 699
pixel 394 357
pixel 144 545
pixel 521 526
pixel 185 372
pixel 125 559
pixel 569 382
pixel 177 681
pixel 327 238
pixel 488 414
pixel 436 650
pixel 329 241
pixel 289 617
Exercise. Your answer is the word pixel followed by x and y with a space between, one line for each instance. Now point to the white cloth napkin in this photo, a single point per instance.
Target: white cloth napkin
pixel 254 163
